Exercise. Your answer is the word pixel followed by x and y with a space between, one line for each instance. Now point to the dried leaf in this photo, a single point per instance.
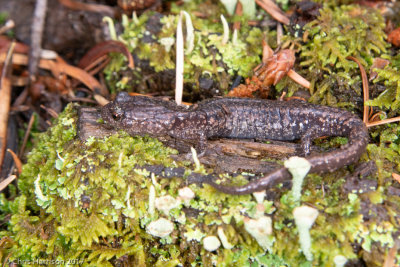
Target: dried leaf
pixel 267 51
pixel 394 37
pixel 102 49
pixel 396 176
pixel 378 63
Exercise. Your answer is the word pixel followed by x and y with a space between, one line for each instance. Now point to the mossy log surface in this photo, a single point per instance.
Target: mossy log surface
pixel 93 201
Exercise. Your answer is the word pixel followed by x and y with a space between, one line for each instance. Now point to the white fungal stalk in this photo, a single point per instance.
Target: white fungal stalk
pixel 189 33
pixel 195 159
pixel 152 199
pixel 298 167
pixel 304 217
pixel 225 37
pixel 111 27
pixel 223 238
pixel 179 63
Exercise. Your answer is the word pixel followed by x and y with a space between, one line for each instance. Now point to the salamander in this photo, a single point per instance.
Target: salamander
pixel 247 119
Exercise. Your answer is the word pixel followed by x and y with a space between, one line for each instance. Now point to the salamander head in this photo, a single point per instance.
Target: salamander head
pixel 137 115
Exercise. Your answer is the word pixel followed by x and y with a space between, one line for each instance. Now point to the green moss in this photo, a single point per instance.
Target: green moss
pixel 92 204
pixel 209 56
pixel 338 32
pixel 390 97
pixel 344 31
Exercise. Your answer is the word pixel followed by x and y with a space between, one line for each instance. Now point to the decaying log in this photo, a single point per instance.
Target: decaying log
pixel 222 155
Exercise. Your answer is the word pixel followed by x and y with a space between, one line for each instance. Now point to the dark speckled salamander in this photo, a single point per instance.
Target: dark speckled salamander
pixel 244 118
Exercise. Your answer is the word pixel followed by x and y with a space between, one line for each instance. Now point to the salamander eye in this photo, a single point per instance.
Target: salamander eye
pixel 117 116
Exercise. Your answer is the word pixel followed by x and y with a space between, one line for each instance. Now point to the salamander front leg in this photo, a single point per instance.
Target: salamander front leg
pixel 307 138
pixel 201 146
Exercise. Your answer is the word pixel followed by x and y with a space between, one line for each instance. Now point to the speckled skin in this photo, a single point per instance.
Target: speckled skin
pixel 244 118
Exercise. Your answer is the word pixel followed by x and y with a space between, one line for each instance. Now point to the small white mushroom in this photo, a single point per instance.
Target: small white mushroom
pixel 211 243
pixel 160 228
pixel 304 218
pixel 166 203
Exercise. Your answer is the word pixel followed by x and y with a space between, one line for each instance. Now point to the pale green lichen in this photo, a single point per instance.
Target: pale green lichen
pixel 261 230
pixel 160 228
pixel 298 167
pixel 211 243
pixel 304 217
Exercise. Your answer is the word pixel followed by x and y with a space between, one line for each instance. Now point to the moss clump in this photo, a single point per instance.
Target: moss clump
pixel 339 32
pixel 344 31
pixel 390 97
pixel 152 38
pixel 94 203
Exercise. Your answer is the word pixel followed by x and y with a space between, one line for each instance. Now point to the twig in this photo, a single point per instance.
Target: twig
pixel 365 87
pixel 396 176
pixel 36 37
pixel 50 111
pixel 239 12
pixel 5 97
pixel 58 68
pixel 100 99
pixel 390 258
pixel 104 48
pixel 26 136
pixel 75 5
pixel 279 34
pixel 17 161
pixel 376 123
pixel 179 63
pixel 6 182
pixel 366 98
pixel 272 9
pixel 298 78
